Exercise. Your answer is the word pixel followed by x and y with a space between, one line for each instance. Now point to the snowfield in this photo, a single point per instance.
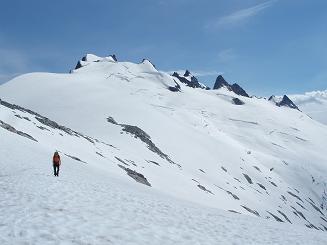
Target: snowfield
pixel 88 206
pixel 147 159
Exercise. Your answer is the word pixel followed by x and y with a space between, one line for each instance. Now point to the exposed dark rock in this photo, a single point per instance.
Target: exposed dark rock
pixel 19 108
pixel 144 60
pixel 257 168
pixel 251 211
pixel 47 122
pixel 248 122
pixel 149 161
pixel 237 180
pixel 113 56
pixel 43 128
pixel 187 73
pixel 247 177
pixel 99 154
pixel 190 80
pixel 224 169
pixel 122 161
pixel 75 158
pixel 311 226
pixel 275 217
pixel 262 186
pixel 284 215
pixel 131 161
pixel 54 125
pixel 299 138
pixel 299 213
pixel 285 101
pixel 237 89
pixel 286 163
pixel 220 82
pixel 283 198
pixel 233 195
pixel 15 131
pixel 316 208
pixel 79 64
pixel 299 204
pixel 84 58
pixel 112 120
pixel 273 183
pixel 237 101
pixel 323 219
pixel 135 175
pixel 176 88
pixel 201 170
pixel 311 200
pixel 204 189
pixel 233 211
pixel 294 195
pixel 138 133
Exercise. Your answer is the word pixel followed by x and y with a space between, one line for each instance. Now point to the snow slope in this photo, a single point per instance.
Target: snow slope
pixel 197 153
pixel 313 103
pixel 88 206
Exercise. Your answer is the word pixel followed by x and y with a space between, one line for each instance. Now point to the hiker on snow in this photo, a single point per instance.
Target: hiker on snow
pixel 56 163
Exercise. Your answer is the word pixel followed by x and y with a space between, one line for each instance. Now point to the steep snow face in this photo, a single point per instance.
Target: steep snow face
pixel 313 103
pixel 212 148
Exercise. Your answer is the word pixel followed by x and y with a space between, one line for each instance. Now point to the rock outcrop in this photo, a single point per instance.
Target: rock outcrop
pixel 237 89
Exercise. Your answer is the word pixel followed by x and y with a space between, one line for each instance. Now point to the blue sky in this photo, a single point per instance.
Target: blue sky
pixel 268 47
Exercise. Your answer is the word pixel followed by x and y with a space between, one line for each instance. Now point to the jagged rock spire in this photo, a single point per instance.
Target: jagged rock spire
pixel 190 80
pixel 237 89
pixel 285 101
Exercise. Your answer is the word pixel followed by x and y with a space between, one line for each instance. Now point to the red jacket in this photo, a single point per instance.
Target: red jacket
pixel 56 160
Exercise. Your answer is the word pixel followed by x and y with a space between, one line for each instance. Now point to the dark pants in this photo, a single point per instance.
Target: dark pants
pixel 56 169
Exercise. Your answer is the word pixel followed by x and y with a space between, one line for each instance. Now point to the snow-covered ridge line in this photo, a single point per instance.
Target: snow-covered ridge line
pixel 45 121
pixel 188 79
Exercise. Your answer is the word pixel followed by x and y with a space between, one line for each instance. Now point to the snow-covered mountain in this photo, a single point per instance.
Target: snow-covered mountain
pixel 313 103
pixel 151 143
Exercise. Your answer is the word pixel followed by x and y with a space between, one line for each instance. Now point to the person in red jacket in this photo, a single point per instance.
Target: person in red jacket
pixel 56 163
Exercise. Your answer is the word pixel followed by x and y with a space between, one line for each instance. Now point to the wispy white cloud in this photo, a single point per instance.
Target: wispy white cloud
pixel 226 55
pixel 240 16
pixel 197 73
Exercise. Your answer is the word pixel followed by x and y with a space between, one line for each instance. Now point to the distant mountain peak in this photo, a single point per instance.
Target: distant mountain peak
pixel 187 73
pixel 237 89
pixel 220 82
pixel 190 80
pixel 283 101
pixel 89 58
pixel 286 101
